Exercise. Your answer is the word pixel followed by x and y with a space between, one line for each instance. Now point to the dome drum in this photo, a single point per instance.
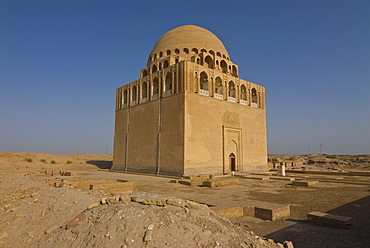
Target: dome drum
pixel 204 58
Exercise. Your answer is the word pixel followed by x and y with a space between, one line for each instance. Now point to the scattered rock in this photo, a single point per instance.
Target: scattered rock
pixel 288 244
pixel 76 221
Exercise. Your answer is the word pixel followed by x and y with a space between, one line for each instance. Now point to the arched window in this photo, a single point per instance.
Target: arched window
pixel 177 51
pixel 134 93
pixel 218 54
pixel 203 81
pixel 212 52
pixel 125 97
pixel 145 72
pixel 155 86
pixel 144 90
pixel 160 66
pixel 168 84
pixel 194 50
pixel 165 64
pixel 209 62
pixel 168 52
pixel 224 66
pixel 155 56
pixel 203 50
pixel 186 50
pixel 254 95
pixel 231 89
pixel 160 54
pixel 218 86
pixel 234 71
pixel 243 93
pixel 154 68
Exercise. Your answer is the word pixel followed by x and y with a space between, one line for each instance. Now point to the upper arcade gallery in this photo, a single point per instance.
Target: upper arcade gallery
pixel 214 74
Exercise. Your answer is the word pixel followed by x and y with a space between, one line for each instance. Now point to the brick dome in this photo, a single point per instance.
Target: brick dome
pixel 189 38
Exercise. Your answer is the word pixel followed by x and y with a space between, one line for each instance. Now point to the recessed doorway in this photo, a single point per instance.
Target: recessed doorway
pixel 232 162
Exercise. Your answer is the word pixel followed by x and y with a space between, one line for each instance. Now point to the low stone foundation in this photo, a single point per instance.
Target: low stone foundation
pixel 329 219
pixel 304 183
pixel 220 182
pixel 261 210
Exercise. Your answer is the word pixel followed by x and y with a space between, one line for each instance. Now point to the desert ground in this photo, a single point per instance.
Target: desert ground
pixel 42 208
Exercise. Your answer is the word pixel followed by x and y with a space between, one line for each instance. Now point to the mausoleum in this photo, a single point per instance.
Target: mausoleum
pixel 189 113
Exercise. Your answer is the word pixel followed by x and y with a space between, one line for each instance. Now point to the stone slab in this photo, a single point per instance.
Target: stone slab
pixel 111 185
pixel 282 178
pixel 220 182
pixel 257 177
pixel 304 183
pixel 329 219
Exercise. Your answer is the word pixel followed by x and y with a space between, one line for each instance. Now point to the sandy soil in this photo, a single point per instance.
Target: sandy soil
pixel 35 214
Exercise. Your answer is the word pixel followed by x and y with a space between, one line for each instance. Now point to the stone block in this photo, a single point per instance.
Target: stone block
pixel 272 212
pixel 257 177
pixel 220 182
pixel 231 212
pixel 70 173
pixel 111 185
pixel 56 173
pixel 125 199
pixel 304 183
pixel 176 202
pixel 288 244
pixel 192 205
pixel 329 219
pixel 112 199
pixel 188 183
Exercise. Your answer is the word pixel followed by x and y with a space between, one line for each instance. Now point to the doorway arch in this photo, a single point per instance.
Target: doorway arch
pixel 232 162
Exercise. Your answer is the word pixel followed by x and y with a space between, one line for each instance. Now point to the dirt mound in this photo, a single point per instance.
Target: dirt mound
pixel 35 215
pixel 150 223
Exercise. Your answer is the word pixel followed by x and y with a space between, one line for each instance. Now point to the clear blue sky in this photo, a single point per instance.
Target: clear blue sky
pixel 61 61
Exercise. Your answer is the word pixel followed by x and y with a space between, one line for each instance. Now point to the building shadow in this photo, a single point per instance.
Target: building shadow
pixel 101 164
pixel 305 234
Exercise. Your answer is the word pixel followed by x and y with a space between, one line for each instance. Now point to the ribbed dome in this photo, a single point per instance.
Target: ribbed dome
pixel 189 36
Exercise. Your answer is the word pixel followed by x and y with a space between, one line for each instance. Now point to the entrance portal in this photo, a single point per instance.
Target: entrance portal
pixel 232 162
